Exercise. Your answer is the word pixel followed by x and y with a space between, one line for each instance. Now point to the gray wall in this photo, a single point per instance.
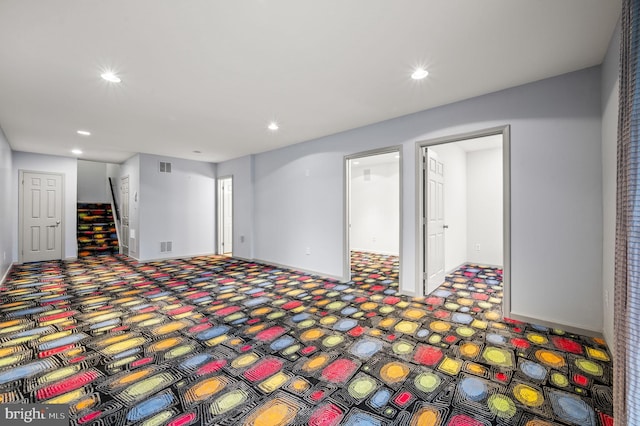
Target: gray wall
pixel 92 182
pixel 484 207
pixel 556 197
pixel 177 207
pixel 610 86
pixel 6 207
pixel 375 206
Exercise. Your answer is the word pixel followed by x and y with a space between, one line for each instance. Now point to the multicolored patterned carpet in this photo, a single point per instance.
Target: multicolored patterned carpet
pixel 377 273
pixel 215 340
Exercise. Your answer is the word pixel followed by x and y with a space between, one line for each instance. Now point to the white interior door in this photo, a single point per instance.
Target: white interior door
pixel 434 221
pixel 225 215
pixel 124 214
pixel 42 217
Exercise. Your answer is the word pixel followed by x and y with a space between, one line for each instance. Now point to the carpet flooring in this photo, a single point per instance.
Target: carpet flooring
pixel 376 273
pixel 215 340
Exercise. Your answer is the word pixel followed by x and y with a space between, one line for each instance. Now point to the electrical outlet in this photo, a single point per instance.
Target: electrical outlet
pixel 308 251
pixel 242 238
pixel 477 247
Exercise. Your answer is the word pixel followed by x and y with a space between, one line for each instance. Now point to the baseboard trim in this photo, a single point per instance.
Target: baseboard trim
pixel 407 293
pixel 184 256
pixel 306 271
pixel 551 324
pixel 6 273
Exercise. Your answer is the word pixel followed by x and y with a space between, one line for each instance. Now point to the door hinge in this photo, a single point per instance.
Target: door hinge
pixel 424 276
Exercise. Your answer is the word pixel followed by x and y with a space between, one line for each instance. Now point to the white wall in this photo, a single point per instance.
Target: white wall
pixel 242 171
pixel 131 168
pixel 7 239
pixel 91 182
pixel 177 207
pixel 375 207
pixel 484 207
pixel 610 86
pixel 555 126
pixel 454 159
pixel 52 164
pixel 113 172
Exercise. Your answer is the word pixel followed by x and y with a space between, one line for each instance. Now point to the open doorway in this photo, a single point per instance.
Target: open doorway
pixel 463 190
pixel 225 216
pixel 373 215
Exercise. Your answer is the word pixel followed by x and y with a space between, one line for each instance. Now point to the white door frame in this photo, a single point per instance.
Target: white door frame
pixel 220 213
pixel 125 207
pixel 21 212
pixel 506 194
pixel 346 269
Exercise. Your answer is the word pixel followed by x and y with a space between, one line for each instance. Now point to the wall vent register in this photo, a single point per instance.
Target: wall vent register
pixel 165 167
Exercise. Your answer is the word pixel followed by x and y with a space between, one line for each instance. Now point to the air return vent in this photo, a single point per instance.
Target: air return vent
pixel 165 167
pixel 166 246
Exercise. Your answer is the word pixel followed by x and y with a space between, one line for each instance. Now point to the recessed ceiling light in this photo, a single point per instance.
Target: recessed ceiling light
pixel 76 151
pixel 273 126
pixel 83 133
pixel 197 152
pixel 111 77
pixel 419 74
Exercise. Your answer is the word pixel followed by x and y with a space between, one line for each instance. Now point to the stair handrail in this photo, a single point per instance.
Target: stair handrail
pixel 115 203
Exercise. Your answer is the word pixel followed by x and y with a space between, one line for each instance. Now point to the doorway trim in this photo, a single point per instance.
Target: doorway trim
pixel 220 214
pixel 506 205
pixel 21 212
pixel 125 215
pixel 346 269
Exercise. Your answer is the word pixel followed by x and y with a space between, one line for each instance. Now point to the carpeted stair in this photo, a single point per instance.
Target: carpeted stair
pixel 96 230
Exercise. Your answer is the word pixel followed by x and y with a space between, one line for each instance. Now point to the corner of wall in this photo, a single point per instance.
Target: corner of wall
pixel 609 108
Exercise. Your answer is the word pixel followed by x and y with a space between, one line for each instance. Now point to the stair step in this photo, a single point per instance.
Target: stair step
pixel 96 229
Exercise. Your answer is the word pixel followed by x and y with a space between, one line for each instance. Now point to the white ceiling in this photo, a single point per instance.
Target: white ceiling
pixel 210 75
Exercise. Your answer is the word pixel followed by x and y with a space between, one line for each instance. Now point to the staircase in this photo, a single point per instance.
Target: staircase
pixel 96 230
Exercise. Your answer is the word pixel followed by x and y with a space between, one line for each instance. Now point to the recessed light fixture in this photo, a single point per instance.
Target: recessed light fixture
pixel 76 151
pixel 197 152
pixel 110 77
pixel 83 133
pixel 273 126
pixel 419 74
